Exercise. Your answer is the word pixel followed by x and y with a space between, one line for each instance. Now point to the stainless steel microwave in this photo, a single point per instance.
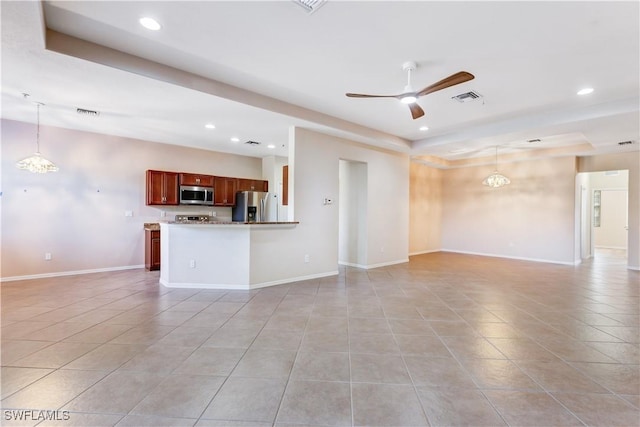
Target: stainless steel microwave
pixel 190 195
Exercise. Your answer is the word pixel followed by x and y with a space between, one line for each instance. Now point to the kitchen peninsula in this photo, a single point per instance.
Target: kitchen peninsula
pixel 222 255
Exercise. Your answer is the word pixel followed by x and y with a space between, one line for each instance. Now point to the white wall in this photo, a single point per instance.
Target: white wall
pixel 315 170
pixel 352 203
pixel 77 214
pixel 532 218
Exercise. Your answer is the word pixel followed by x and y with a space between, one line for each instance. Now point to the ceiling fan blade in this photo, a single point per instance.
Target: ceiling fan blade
pixel 416 111
pixel 452 80
pixel 362 95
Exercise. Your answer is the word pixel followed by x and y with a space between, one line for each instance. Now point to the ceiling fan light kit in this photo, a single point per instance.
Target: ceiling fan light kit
pixel 410 97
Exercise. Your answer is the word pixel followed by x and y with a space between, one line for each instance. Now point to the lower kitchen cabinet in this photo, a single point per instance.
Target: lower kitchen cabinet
pixel 152 249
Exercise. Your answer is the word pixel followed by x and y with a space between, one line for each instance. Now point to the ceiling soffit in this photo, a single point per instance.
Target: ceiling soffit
pixel 72 46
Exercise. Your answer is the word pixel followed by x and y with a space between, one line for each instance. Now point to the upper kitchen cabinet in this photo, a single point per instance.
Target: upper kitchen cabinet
pixel 252 185
pixel 196 180
pixel 285 185
pixel 224 191
pixel 162 188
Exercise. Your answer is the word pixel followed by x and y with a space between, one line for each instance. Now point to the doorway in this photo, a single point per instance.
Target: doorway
pixel 604 214
pixel 352 214
pixel 610 232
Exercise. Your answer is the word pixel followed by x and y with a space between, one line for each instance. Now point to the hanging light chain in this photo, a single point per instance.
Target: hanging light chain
pixel 38 104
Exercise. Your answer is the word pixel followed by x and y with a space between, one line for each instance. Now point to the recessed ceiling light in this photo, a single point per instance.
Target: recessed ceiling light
pixel 150 23
pixel 423 128
pixel 585 91
pixel 271 146
pixel 210 126
pixel 234 139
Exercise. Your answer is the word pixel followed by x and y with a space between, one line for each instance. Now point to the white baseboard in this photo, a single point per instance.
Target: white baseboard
pixel 370 266
pixel 424 252
pixel 611 247
pixel 549 261
pixel 68 273
pixel 633 267
pixel 248 287
pixel 351 264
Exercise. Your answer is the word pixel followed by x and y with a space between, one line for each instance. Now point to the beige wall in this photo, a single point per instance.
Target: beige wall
pixel 425 213
pixel 533 218
pixel 77 214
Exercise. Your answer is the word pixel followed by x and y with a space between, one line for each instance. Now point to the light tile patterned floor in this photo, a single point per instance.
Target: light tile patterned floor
pixel 446 339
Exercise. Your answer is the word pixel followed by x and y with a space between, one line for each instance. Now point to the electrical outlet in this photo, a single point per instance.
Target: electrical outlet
pixel 214 214
pixel 192 263
pixel 128 213
pixel 306 258
pixel 47 256
pixel 163 213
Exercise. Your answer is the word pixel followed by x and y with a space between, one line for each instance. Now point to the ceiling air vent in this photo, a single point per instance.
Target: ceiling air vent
pixel 625 142
pixel 310 5
pixel 84 112
pixel 467 96
pixel 252 143
pixel 533 141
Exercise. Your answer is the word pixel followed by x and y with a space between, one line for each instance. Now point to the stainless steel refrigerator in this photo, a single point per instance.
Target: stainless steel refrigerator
pixel 255 206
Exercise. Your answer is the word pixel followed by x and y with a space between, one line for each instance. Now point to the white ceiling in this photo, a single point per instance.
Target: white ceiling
pixel 529 60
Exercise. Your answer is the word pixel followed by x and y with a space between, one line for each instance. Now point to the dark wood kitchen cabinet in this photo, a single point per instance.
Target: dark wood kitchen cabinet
pixel 252 185
pixel 152 249
pixel 162 188
pixel 196 180
pixel 224 191
pixel 285 185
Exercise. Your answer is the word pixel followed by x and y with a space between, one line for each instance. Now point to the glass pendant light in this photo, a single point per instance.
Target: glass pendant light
pixel 496 179
pixel 37 163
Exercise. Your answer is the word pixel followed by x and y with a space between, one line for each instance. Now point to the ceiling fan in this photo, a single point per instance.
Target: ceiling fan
pixel 410 96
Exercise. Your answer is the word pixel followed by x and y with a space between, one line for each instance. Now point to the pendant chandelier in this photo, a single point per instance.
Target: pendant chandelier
pixel 37 163
pixel 496 179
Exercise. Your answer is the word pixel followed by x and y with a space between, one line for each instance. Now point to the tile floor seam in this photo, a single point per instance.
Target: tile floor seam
pixel 87 388
pixel 238 362
pixel 473 379
pixel 406 367
pixel 349 361
pixel 293 366
pixel 475 382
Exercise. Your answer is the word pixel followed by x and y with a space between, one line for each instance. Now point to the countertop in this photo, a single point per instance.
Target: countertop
pixel 152 226
pixel 233 223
